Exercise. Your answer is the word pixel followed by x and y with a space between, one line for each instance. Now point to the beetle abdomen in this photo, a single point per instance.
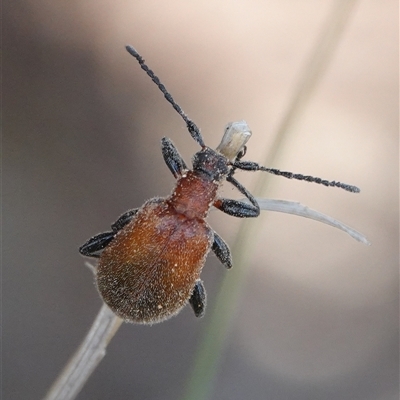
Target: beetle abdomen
pixel 147 273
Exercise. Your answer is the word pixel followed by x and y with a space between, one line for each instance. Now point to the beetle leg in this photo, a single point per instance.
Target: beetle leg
pixel 198 299
pixel 172 158
pixel 95 245
pixel 221 250
pixel 123 220
pixel 238 208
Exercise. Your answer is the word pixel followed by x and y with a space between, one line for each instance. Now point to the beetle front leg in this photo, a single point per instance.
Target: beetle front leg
pixel 198 299
pixel 172 158
pixel 238 208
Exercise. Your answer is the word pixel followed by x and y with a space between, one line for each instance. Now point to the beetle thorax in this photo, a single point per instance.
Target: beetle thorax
pixel 194 194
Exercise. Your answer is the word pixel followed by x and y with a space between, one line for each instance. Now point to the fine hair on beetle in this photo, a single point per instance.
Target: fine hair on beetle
pixel 150 261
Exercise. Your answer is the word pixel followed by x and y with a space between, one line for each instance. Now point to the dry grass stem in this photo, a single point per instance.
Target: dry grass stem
pixel 87 357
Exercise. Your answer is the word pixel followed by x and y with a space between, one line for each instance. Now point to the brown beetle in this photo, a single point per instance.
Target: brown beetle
pixel 150 262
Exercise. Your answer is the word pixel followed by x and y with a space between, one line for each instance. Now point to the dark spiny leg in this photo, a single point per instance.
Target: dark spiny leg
pixel 221 250
pixel 252 166
pixel 95 245
pixel 124 219
pixel 238 208
pixel 172 158
pixel 198 299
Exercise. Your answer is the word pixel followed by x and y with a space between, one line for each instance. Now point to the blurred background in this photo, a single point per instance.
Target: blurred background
pixel 317 316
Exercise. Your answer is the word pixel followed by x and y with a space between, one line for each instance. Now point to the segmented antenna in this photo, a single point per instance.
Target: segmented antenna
pixel 192 127
pixel 252 166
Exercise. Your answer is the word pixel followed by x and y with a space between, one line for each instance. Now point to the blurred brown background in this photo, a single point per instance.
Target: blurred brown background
pixel 318 317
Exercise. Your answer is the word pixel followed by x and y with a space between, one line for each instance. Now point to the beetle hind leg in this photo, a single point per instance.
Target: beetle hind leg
pixel 198 299
pixel 95 245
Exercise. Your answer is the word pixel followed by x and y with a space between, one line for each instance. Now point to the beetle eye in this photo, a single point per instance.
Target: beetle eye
pixel 241 153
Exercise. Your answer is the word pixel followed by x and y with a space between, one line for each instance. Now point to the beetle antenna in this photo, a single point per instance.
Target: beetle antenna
pixel 308 178
pixel 192 127
pixel 252 166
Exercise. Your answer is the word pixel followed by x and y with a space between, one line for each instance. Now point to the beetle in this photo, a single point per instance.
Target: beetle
pixel 150 261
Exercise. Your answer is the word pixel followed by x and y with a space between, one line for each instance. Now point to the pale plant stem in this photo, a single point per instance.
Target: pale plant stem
pixel 201 379
pixel 87 357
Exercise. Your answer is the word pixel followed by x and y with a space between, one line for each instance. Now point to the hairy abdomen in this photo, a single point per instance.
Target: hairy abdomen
pixel 148 271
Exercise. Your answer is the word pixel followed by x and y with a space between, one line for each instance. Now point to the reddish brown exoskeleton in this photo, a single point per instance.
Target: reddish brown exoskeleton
pixel 150 262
